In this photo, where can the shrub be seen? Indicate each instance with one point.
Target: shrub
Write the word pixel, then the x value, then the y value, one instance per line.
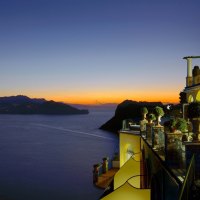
pixel 159 111
pixel 144 110
pixel 170 125
pixel 181 124
pixel 151 117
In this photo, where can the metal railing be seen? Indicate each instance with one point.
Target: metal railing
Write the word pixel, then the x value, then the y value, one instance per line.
pixel 189 179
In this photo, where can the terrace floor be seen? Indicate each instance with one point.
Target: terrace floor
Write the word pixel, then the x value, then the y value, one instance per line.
pixel 105 179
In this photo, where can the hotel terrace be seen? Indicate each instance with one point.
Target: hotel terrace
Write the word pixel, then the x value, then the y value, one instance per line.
pixel 158 164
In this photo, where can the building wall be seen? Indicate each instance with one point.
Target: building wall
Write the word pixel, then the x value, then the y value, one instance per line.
pixel 129 143
pixel 193 94
pixel 192 88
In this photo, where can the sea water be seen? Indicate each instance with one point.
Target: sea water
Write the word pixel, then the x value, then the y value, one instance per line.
pixel 45 157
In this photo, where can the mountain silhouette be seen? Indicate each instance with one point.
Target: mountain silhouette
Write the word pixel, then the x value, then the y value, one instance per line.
pixel 128 109
pixel 24 105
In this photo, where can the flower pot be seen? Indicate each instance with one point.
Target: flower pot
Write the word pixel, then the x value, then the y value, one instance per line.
pixel 158 121
pixel 115 164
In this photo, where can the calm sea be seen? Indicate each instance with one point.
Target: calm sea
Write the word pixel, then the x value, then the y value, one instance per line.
pixel 51 157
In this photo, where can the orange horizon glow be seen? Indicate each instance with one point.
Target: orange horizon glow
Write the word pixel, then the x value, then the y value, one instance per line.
pixel 117 96
pixel 102 96
pixel 102 99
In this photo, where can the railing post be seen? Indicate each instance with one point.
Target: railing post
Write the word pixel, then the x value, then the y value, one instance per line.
pixel 95 173
pixel 105 164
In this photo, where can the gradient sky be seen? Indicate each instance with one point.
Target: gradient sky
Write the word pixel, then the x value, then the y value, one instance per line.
pixel 84 51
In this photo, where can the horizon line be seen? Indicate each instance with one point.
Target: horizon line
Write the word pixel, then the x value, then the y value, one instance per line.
pixel 97 103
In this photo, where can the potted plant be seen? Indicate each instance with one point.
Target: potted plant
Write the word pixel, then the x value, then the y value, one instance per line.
pixel 194 116
pixel 143 122
pixel 181 125
pixel 96 173
pixel 151 118
pixel 170 125
pixel 115 161
pixel 144 112
pixel 159 113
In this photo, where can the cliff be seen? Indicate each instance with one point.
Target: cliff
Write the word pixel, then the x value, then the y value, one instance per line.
pixel 128 109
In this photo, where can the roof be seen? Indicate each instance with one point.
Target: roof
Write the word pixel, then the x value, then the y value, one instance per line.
pixel 191 57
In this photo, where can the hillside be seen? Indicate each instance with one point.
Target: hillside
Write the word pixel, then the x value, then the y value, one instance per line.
pixel 128 109
pixel 24 105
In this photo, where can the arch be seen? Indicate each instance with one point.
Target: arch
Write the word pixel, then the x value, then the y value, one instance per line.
pixel 198 96
pixel 190 99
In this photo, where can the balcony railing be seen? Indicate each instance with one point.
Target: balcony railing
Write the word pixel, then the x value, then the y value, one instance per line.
pixel 167 144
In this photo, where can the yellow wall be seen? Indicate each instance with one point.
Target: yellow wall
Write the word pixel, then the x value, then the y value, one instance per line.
pixel 190 99
pixel 128 142
pixel 129 169
pixel 126 182
pixel 193 94
pixel 198 96
pixel 128 192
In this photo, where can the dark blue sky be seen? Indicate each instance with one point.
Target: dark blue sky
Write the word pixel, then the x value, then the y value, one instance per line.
pixel 105 50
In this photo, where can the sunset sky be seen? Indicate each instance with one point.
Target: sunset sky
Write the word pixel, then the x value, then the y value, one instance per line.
pixel 89 51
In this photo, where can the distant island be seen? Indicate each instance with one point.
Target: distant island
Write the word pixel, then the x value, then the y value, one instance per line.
pixel 24 105
pixel 128 109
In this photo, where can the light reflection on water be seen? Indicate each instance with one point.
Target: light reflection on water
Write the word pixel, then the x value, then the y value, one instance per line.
pixel 52 157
